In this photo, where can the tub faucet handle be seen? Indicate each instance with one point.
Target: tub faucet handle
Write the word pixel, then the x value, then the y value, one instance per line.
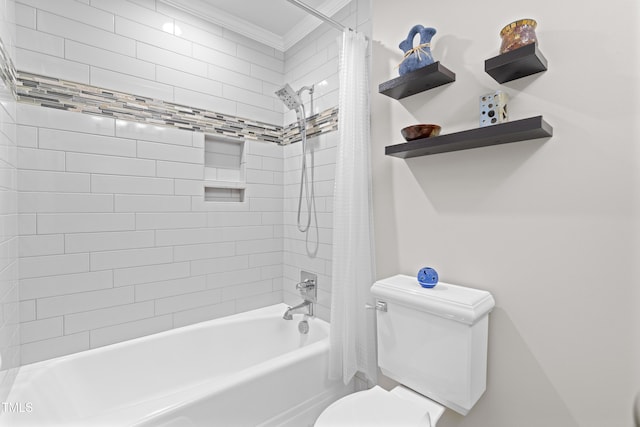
pixel 306 284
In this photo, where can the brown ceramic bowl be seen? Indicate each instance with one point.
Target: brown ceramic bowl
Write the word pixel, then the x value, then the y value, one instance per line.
pixel 420 131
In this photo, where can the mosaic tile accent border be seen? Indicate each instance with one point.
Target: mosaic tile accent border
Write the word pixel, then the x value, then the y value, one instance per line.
pixel 70 96
pixel 7 70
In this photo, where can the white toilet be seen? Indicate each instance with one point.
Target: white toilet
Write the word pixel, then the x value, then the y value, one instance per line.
pixel 434 343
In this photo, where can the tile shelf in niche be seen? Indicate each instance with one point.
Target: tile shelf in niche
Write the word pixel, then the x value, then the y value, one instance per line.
pixel 417 81
pixel 514 131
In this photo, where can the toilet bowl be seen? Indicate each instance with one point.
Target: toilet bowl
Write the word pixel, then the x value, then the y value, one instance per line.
pixel 400 407
pixel 433 342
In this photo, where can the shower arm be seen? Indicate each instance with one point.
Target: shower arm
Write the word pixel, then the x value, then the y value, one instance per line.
pixel 309 89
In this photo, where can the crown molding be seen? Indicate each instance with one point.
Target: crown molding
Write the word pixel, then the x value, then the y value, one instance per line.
pixel 241 26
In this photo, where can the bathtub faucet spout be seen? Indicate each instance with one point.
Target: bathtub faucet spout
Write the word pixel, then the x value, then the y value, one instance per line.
pixel 306 307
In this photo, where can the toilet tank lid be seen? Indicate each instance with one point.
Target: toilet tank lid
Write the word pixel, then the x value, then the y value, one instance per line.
pixel 466 305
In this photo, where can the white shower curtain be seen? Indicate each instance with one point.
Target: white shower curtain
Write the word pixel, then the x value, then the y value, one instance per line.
pixel 352 326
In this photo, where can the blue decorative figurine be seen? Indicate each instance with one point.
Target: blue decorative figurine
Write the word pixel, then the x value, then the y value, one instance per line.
pixel 427 277
pixel 419 56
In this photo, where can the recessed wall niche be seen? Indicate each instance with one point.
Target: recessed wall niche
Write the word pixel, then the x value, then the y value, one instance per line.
pixel 224 171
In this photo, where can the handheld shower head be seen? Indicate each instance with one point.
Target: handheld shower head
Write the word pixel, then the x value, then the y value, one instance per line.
pixel 289 96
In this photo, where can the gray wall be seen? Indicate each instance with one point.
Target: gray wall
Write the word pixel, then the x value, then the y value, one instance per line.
pixel 548 226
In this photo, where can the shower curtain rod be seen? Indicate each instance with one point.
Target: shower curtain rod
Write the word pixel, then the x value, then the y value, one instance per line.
pixel 319 15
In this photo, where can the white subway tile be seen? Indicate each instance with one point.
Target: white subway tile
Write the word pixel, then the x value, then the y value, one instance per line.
pixel 41 245
pixel 203 251
pixel 130 258
pixel 255 99
pixel 221 59
pixel 258 246
pixel 25 16
pixel 34 158
pixel 158 221
pixel 154 273
pixel 146 36
pixel 29 39
pixel 130 330
pixel 85 143
pixel 47 65
pixel 234 78
pixel 84 222
pixel 53 181
pixel 130 84
pixel 259 114
pixel 204 101
pixel 168 288
pixel 170 59
pixel 151 203
pixel 54 347
pixel 77 31
pixel 189 81
pixel 260 176
pixel 64 120
pixel 219 265
pixel 49 286
pixel 64 202
pixel 41 329
pixel 189 187
pixel 78 162
pixel 27 310
pixel 206 38
pixel 142 131
pixel 261 260
pixel 115 240
pixel 158 151
pixel 100 318
pixel 201 314
pixel 265 191
pixel 130 185
pixel 83 301
pixel 230 278
pixel 179 170
pixel 257 301
pixel 51 265
pixel 264 60
pixel 188 236
pixel 274 77
pixel 73 10
pixel 246 290
pixel 114 61
pixel 226 219
pixel 187 301
pixel 26 224
pixel 266 205
pixel 27 136
pixel 134 12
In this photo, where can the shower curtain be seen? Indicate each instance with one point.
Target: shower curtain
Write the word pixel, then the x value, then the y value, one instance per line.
pixel 352 326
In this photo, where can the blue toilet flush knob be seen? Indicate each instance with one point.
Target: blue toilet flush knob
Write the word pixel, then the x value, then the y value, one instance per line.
pixel 427 277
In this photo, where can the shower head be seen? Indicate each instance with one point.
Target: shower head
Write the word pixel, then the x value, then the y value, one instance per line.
pixel 289 96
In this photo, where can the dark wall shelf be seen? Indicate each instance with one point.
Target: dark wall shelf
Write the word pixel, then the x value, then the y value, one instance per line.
pixel 518 130
pixel 433 75
pixel 516 64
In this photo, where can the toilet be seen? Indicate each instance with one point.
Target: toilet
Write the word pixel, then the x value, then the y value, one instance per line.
pixel 431 341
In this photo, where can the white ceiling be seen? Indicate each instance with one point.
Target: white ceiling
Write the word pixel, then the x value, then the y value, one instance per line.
pixel 276 23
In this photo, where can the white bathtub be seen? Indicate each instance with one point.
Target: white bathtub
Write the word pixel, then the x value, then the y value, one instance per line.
pixel 250 369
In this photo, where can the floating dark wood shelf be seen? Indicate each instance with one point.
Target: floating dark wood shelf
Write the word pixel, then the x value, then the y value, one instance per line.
pixel 425 78
pixel 518 63
pixel 518 130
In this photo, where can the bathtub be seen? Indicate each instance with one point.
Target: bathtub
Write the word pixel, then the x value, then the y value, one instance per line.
pixel 249 369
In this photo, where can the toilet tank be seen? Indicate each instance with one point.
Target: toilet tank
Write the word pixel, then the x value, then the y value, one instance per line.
pixel 434 341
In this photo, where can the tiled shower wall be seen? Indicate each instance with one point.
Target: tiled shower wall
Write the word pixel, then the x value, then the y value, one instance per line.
pixel 116 240
pixel 314 60
pixel 9 314
pixel 121 45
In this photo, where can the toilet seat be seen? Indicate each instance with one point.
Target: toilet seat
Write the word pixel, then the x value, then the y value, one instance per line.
pixel 378 407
